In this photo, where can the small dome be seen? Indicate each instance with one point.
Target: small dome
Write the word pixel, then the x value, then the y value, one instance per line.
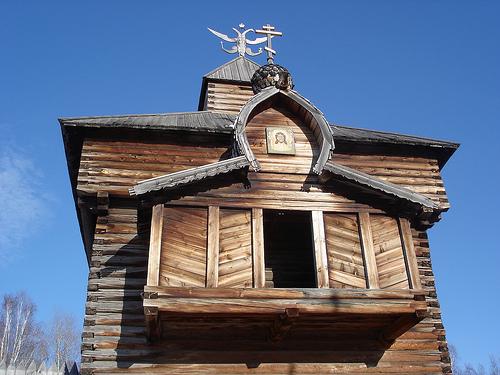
pixel 271 75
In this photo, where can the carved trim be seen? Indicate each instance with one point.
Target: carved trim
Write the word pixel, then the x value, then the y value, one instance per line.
pixel 324 136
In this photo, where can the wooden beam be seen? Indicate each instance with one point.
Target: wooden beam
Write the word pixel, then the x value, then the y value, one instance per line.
pixel 409 253
pixel 153 324
pixel 368 250
pixel 259 271
pixel 282 324
pixel 213 247
pixel 270 306
pixel 155 246
pixel 400 326
pixel 282 294
pixel 320 256
pixel 102 203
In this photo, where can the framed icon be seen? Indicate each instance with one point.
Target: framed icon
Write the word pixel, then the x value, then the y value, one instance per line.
pixel 280 141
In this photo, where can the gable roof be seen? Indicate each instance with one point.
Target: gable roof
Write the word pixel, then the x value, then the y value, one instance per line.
pixel 190 175
pixel 239 69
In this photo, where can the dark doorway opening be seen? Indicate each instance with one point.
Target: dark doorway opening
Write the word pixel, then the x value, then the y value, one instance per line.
pixel 288 249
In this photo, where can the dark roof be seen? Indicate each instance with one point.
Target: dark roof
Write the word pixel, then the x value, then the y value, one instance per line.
pixel 175 179
pixel 341 132
pixel 375 183
pixel 192 121
pixel 239 69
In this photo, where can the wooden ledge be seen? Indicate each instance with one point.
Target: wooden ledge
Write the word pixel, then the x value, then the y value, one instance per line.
pixel 399 309
pixel 254 301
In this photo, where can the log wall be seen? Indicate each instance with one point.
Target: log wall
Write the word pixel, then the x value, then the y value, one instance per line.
pixel 227 97
pixel 115 337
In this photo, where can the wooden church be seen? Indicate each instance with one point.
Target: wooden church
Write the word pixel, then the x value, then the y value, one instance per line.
pixel 253 236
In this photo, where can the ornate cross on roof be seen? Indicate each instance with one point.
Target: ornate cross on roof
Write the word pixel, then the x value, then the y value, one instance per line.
pixel 240 40
pixel 269 31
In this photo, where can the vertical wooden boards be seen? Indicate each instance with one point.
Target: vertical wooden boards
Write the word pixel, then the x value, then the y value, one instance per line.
pixel 368 250
pixel 259 275
pixel 409 252
pixel 155 245
pixel 184 247
pixel 320 255
pixel 235 255
pixel 388 252
pixel 213 247
pixel 343 244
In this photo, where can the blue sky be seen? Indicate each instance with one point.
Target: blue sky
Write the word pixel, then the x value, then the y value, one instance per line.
pixel 428 68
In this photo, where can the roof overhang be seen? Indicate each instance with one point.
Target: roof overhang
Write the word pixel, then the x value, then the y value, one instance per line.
pixel 386 195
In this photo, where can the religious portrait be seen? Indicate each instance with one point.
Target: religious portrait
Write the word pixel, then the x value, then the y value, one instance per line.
pixel 280 140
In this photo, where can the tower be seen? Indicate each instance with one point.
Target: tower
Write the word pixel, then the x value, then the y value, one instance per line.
pixel 254 236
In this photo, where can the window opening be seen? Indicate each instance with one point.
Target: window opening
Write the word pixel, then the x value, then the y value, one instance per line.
pixel 288 249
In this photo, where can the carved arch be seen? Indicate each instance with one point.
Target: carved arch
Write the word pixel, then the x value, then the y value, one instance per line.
pixel 314 119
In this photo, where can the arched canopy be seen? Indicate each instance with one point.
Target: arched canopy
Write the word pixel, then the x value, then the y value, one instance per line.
pixel 296 103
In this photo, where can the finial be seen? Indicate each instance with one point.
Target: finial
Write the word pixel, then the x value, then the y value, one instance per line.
pixel 269 31
pixel 240 40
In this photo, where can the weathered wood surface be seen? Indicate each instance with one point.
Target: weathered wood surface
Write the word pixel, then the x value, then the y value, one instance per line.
pixel 365 230
pixel 184 247
pixel 235 255
pixel 118 165
pixel 259 276
pixel 388 252
pixel 320 255
pixel 115 341
pixel 345 258
pixel 227 98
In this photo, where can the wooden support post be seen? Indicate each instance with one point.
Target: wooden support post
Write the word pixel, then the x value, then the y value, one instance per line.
pixel 153 324
pixel 282 325
pixel 368 250
pixel 155 246
pixel 409 253
pixel 259 271
pixel 213 247
pixel 102 203
pixel 320 256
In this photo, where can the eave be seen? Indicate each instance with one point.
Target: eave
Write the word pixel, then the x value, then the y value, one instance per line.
pixel 173 180
pixel 408 202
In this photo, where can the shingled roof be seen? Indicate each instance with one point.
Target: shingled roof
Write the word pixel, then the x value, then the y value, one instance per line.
pixel 239 69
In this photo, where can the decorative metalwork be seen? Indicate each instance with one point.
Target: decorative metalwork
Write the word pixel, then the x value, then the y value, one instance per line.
pixel 270 32
pixel 240 40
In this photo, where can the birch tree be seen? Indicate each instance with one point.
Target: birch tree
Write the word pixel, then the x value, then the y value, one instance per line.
pixel 63 339
pixel 21 339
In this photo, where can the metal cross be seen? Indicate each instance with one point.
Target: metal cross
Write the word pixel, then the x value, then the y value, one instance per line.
pixel 269 31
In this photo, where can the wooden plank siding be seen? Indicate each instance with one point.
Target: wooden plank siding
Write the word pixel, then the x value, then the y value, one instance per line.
pixel 283 183
pixel 184 247
pixel 388 250
pixel 115 341
pixel 235 254
pixel 345 257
